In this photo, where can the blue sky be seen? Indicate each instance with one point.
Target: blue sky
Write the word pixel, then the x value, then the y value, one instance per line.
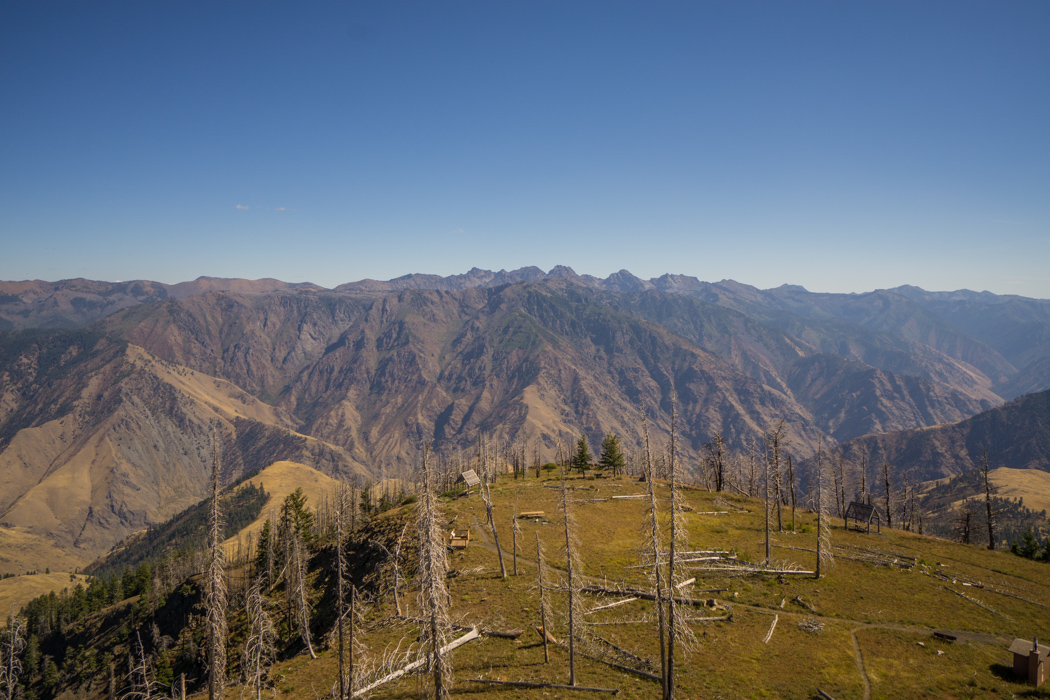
pixel 838 145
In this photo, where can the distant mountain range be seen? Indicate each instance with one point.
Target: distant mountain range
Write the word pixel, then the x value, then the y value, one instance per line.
pixel 109 392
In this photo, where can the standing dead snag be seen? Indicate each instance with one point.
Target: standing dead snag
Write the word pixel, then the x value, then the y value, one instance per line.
pixel 773 440
pixel 825 559
pixel 655 572
pixel 342 506
pixel 12 643
pixel 766 508
pixel 433 595
pixel 988 490
pixel 259 647
pixel 215 595
pixel 678 632
pixel 545 613
pixel 889 490
pixel 515 532
pixel 572 567
pixel 486 494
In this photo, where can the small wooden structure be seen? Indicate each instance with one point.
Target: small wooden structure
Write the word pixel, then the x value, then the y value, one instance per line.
pixel 863 513
pixel 531 514
pixel 1030 660
pixel 470 478
pixel 459 539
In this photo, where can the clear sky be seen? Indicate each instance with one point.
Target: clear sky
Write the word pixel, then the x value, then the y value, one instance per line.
pixel 843 146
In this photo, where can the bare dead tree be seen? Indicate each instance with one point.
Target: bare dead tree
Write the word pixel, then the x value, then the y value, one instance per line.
pixel 989 490
pixel 396 563
pixel 215 595
pixel 865 482
pixel 889 491
pixel 342 506
pixel 433 594
pixel 714 456
pixel 572 567
pixel 791 488
pixel 678 630
pixel 260 645
pixel 545 612
pixel 653 551
pixel 297 580
pixel 12 644
pixel 751 461
pixel 838 486
pixel 766 508
pixel 773 440
pixel 842 484
pixel 486 494
pixel 824 557
pixel 515 532
pixel 141 686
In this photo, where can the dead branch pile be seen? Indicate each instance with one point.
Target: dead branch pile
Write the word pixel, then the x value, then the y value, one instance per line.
pixel 811 625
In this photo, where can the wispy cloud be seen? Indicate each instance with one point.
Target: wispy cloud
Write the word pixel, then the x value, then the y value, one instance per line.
pixel 281 209
pixel 243 207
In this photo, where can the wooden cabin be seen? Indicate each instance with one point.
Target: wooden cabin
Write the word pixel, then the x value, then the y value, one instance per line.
pixel 1030 660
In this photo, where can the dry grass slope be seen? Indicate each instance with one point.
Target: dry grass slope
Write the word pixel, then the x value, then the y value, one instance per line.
pixel 889 610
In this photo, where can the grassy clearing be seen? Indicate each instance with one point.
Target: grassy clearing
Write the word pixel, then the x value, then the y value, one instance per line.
pixel 888 608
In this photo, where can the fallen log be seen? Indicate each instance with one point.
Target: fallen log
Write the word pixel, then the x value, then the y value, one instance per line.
pixel 807 606
pixel 613 605
pixel 649 596
pixel 526 684
pixel 621 667
pixel 978 603
pixel 772 627
pixel 455 644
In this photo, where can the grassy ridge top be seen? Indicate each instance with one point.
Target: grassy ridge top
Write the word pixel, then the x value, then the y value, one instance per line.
pixel 879 606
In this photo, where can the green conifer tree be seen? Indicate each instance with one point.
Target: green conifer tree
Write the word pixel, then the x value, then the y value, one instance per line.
pixel 582 458
pixel 612 456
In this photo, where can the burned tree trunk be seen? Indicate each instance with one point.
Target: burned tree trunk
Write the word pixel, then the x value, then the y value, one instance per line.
pixel 486 494
pixel 824 556
pixel 545 615
pixel 889 490
pixel 433 594
pixel 215 593
pixel 652 527
pixel 773 440
pixel 572 567
pixel 988 491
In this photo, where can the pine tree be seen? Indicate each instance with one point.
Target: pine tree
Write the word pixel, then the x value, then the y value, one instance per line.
pixel 582 458
pixel 612 457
